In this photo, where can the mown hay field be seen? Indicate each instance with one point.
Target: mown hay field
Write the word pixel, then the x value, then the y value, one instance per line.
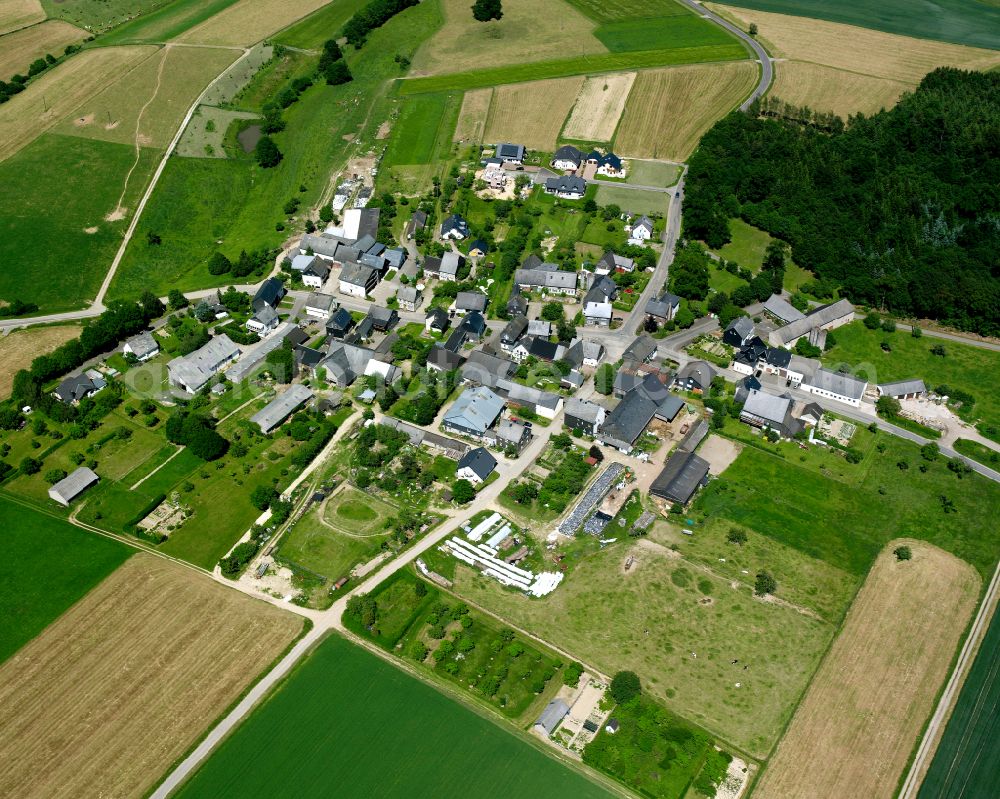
pixel 615 10
pixel 530 30
pixel 889 59
pixel 472 116
pixel 854 731
pixel 124 682
pixel 20 348
pixel 531 113
pixel 320 734
pixel 19 49
pixel 668 110
pixel 651 618
pixel 166 22
pixel 15 14
pixel 598 107
pixel 54 95
pixel 249 21
pixel 835 90
pixel 170 81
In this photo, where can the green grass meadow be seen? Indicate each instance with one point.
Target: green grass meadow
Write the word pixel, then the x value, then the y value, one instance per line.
pixel 846 521
pixel 664 33
pixel 587 65
pixel 166 22
pixel 972 369
pixel 969 22
pixel 311 32
pixel 967 760
pixel 347 723
pixel 422 133
pixel 53 564
pixel 615 10
pixel 50 200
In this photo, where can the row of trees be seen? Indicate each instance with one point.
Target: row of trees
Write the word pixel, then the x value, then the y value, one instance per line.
pixel 899 209
pixel 374 15
pixel 37 67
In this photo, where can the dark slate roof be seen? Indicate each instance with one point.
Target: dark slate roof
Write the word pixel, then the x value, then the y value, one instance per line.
pixel 455 222
pixel 368 222
pixel 296 336
pixel 532 262
pixel 510 152
pixel 699 372
pixel 612 160
pixel 568 153
pixel 270 292
pixel 444 358
pixel 779 357
pixel 440 318
pixel 470 301
pixel 680 477
pixel 514 330
pixel 480 461
pixel 564 184
pixel 629 418
pixel 742 325
pixel 517 305
pixel 661 306
pixel 308 357
pixel 642 349
pixel 340 320
pixel 479 244
pixel 543 349
pixel 474 322
pixel 75 388
pixel 419 219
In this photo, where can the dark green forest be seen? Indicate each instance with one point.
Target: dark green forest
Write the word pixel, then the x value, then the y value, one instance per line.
pixel 900 210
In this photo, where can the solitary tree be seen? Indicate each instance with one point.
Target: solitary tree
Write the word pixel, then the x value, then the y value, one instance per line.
pixel 902 553
pixel 624 686
pixel 753 28
pixel 764 584
pixel 485 10
pixel 267 152
pixel 737 536
pixel 462 492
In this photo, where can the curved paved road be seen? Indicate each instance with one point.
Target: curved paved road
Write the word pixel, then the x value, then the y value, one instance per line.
pixel 766 65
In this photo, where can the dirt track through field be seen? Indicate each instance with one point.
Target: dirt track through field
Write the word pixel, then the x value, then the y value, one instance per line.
pixel 124 682
pixel 138 134
pixel 856 727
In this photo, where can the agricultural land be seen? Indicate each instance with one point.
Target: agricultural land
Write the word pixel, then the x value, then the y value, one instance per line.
pixel 668 110
pixel 876 687
pixel 847 69
pixel 531 112
pixel 155 652
pixel 19 49
pixel 57 565
pixel 340 680
pixel 968 753
pixel 598 107
pixel 19 348
pixel 16 14
pixel 248 21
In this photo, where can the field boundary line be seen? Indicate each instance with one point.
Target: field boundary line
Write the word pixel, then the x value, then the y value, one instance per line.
pixel 176 452
pixel 98 305
pixel 932 735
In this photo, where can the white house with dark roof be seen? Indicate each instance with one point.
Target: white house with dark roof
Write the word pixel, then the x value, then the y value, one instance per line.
pixel 640 231
pixel 467 301
pixel 610 165
pixel 567 157
pixel 663 308
pixel 566 187
pixel 738 332
pixel 454 228
pixel 475 466
pixel 358 280
pixel 597 314
pixel 264 321
pixel 584 415
pixel 549 281
pixel 510 153
pixel 409 298
pixel 315 273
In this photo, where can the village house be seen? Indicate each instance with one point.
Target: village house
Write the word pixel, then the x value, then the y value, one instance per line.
pixel 640 231
pixel 510 153
pixel 902 389
pixel 495 177
pixel 339 323
pixel 542 403
pixel 695 377
pixel 191 372
pixel 454 228
pixel 663 308
pixel 418 221
pixel 484 369
pixel 738 332
pixel 546 280
pixel 512 333
pixel 474 412
pixel 446 267
pixel 836 386
pixel 512 434
pixel 584 352
pixel 597 314
pixel 441 359
pixel 142 347
pixel 517 305
pixel 567 158
pixel 769 412
pixel 780 309
pixel 475 466
pixel 383 319
pixel 264 321
pixel 826 317
pixel 319 305
pixel 409 298
pixel 358 280
pixel 467 301
pixel 478 249
pixel 269 294
pixel 612 262
pixel 437 320
pixel 584 416
pixel 73 389
pixel 566 187
pixel 610 165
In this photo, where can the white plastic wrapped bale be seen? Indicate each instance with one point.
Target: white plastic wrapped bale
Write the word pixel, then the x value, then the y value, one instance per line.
pixel 545 584
pixel 484 526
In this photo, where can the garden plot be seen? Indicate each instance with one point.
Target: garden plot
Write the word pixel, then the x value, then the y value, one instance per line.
pixel 598 107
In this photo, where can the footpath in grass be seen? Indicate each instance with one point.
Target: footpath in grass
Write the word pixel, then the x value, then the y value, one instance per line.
pixel 53 564
pixel 349 724
pixel 967 760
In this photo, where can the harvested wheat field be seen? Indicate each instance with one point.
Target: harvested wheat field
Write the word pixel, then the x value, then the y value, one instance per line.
pixel 15 14
pixel 599 107
pixel 20 348
pixel 530 30
pixel 854 731
pixel 162 88
pixel 249 21
pixel 531 113
pixel 50 98
pixel 834 90
pixel 472 117
pixel 853 52
pixel 19 49
pixel 668 110
pixel 123 683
